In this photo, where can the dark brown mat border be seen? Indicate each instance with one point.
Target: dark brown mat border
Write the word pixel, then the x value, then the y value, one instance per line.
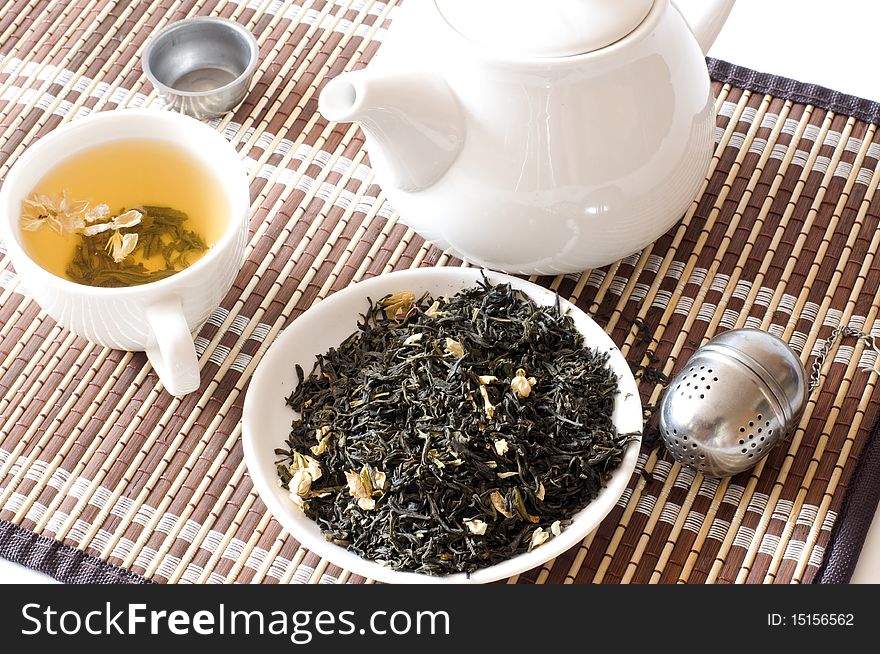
pixel 790 89
pixel 66 564
pixel 856 515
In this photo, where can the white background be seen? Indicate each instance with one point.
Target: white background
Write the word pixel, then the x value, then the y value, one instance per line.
pixel 828 42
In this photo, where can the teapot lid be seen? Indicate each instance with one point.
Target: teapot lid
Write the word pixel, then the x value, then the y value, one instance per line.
pixel 538 28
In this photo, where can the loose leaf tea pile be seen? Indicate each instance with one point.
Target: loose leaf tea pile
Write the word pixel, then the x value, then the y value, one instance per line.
pixel 447 435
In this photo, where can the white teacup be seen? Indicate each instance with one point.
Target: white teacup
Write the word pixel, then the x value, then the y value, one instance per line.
pixel 158 318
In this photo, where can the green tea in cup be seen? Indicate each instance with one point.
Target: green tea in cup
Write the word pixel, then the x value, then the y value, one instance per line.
pixel 123 213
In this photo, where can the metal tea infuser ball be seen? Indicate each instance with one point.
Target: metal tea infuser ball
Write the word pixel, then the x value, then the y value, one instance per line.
pixel 740 394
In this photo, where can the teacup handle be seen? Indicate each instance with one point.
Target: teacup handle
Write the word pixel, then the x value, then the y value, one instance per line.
pixel 174 356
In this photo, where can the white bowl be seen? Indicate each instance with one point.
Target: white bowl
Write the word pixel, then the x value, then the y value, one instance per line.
pixel 267 418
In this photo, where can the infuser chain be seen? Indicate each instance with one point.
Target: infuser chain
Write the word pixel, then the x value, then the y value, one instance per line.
pixel 840 332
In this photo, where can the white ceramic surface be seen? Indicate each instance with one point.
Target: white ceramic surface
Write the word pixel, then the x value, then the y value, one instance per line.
pixel 536 164
pixel 157 317
pixel 266 419
pixel 560 29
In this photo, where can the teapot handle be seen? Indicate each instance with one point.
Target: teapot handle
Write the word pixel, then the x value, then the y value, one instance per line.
pixel 705 18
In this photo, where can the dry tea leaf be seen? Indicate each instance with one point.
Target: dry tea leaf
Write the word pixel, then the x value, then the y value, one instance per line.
pixel 414 339
pixel 498 503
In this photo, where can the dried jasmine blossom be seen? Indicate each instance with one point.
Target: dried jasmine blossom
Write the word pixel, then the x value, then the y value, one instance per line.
pixel 301 484
pixel 302 472
pixel 522 385
pixel 476 526
pixel 541 492
pixel 488 407
pixel 96 213
pixel 359 486
pixel 58 213
pixel 445 465
pixel 397 305
pixel 434 310
pixel 539 537
pixel 453 348
pixel 499 504
pixel 121 245
pixel 123 221
pixel 323 436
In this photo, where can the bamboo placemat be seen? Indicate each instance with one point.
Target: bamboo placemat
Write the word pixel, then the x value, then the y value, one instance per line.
pixel 98 466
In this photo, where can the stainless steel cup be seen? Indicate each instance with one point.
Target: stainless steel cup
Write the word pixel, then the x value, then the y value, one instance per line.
pixel 202 66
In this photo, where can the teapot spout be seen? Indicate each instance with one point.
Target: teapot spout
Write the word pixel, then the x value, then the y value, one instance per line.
pixel 413 122
pixel 705 18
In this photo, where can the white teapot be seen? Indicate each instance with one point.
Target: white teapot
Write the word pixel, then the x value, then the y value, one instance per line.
pixel 538 136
